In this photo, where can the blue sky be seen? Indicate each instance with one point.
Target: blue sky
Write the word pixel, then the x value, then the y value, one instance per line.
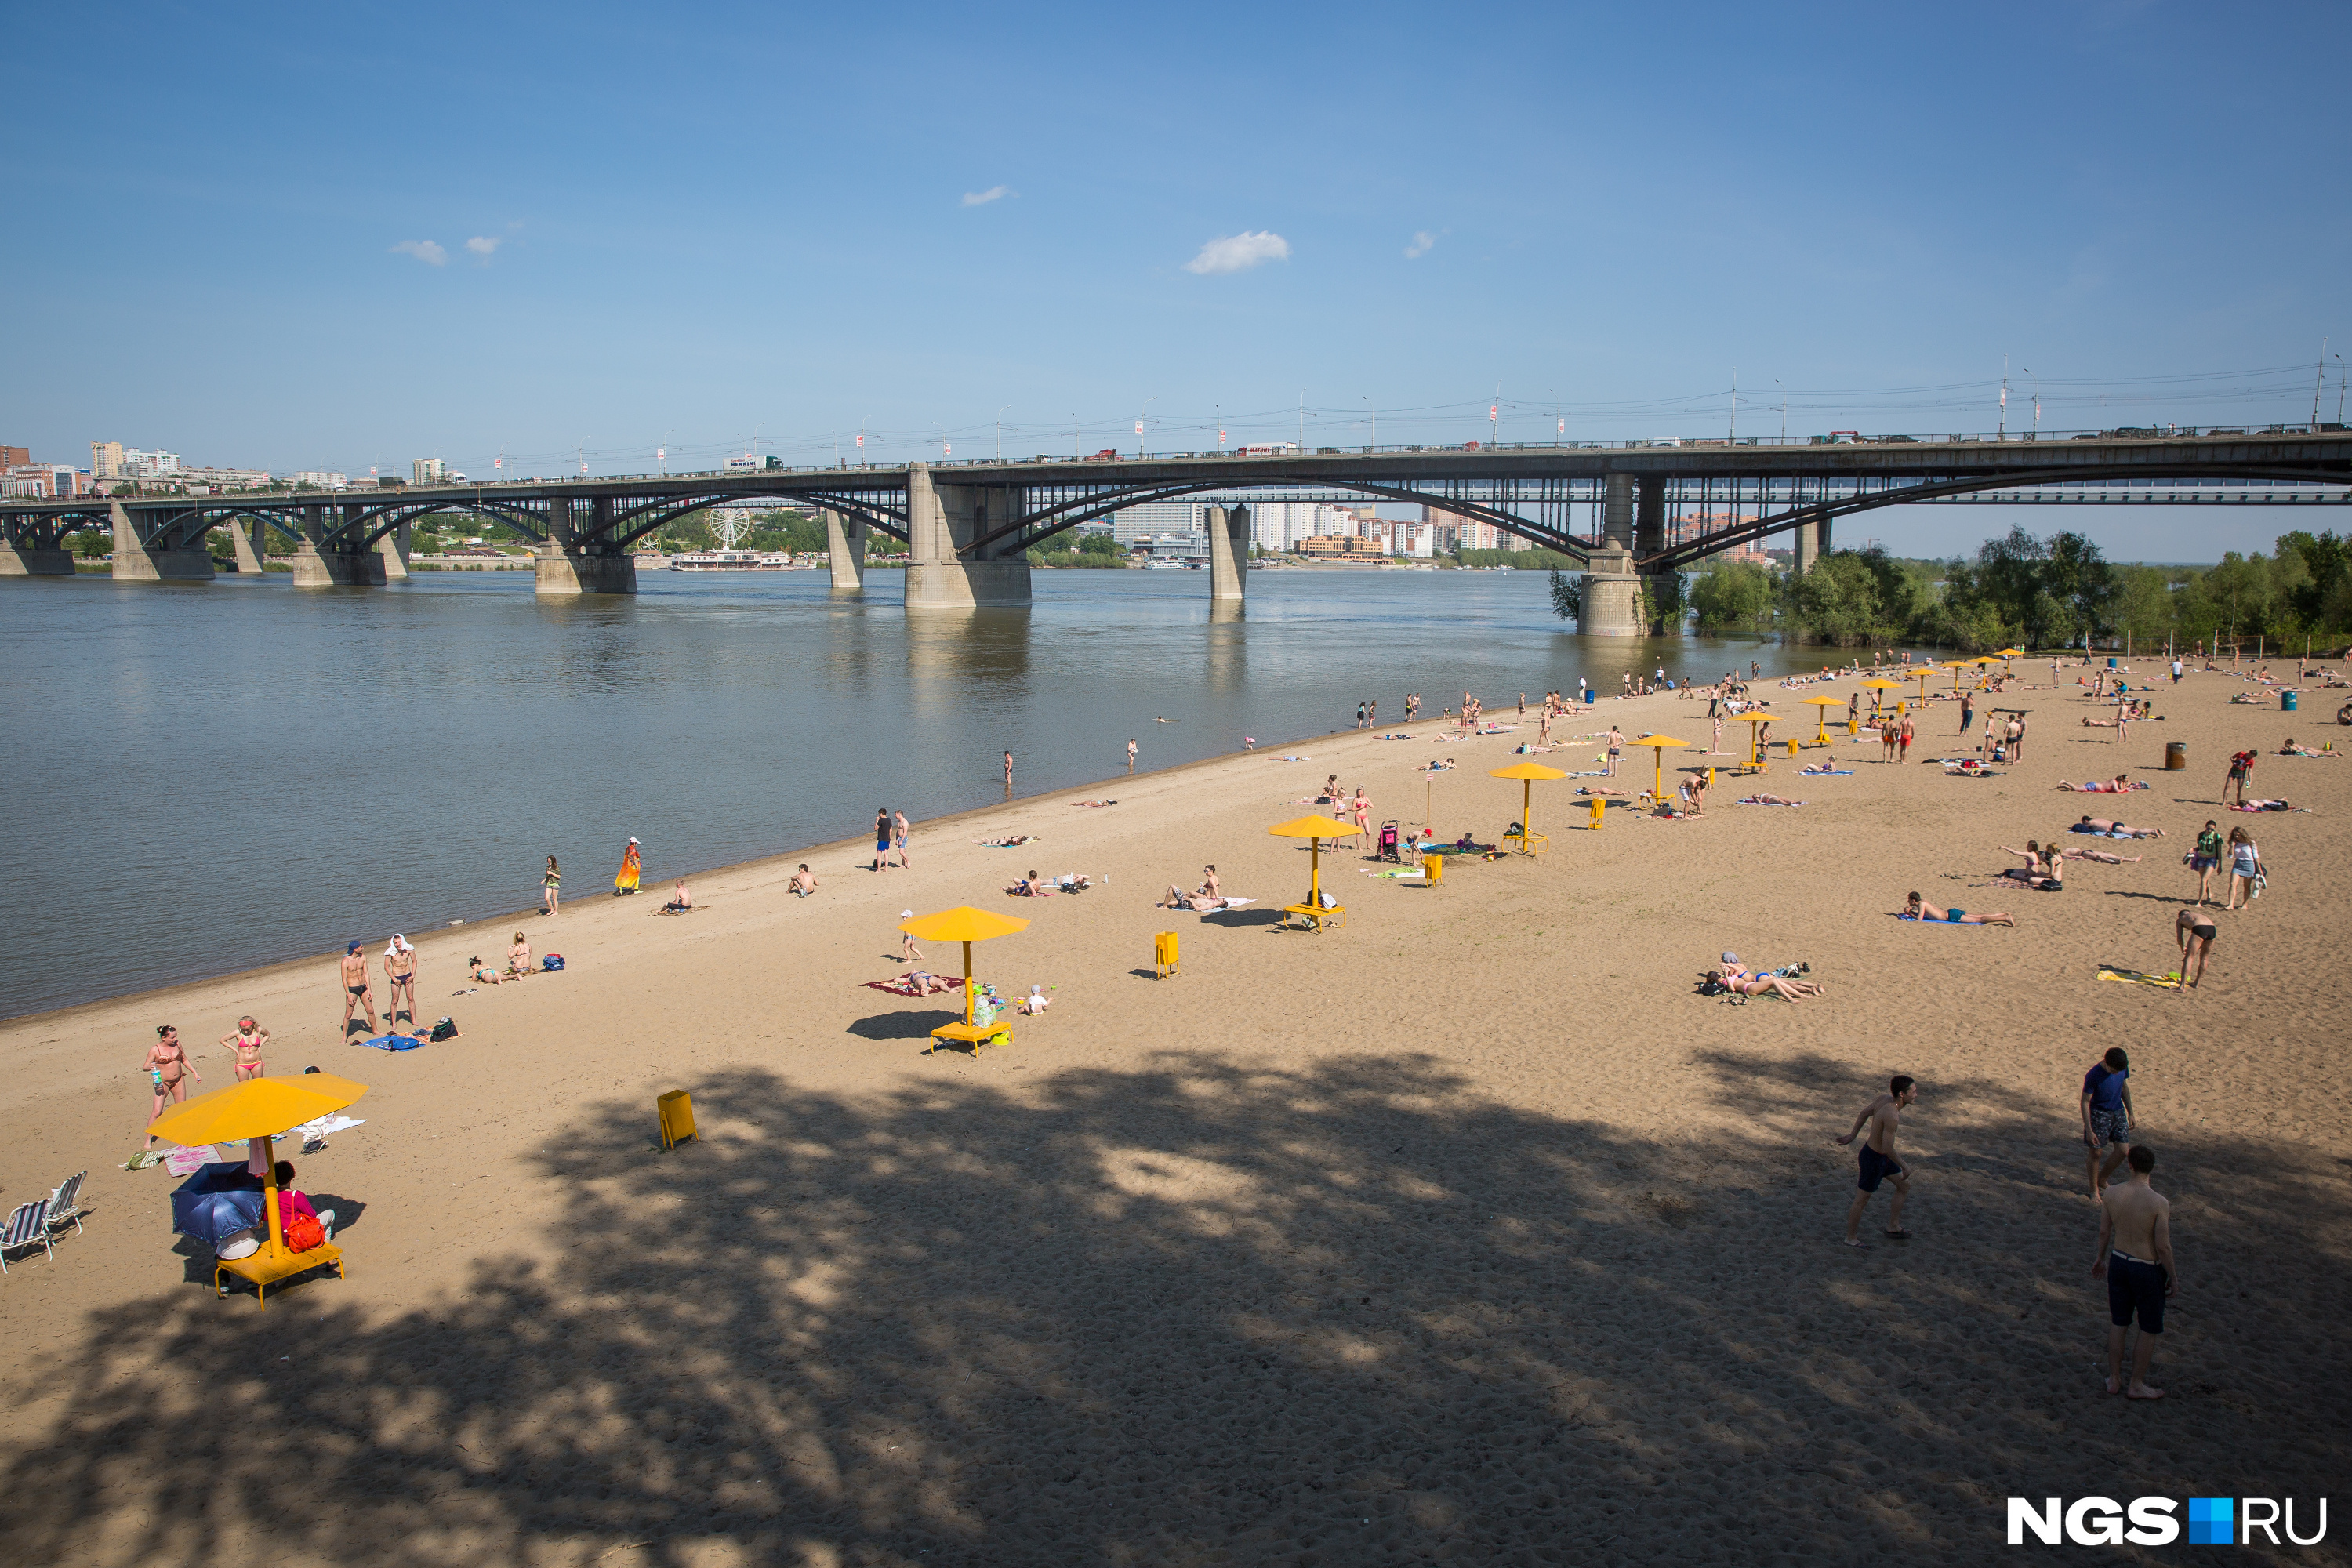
pixel 697 228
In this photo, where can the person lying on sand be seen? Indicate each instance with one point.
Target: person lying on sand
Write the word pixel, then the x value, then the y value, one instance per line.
pixel 2039 871
pixel 1915 909
pixel 1768 800
pixel 1740 982
pixel 1437 767
pixel 2101 855
pixel 2115 829
pixel 926 982
pixel 2291 749
pixel 2120 785
pixel 1209 895
pixel 1013 841
pixel 486 976
pixel 1029 887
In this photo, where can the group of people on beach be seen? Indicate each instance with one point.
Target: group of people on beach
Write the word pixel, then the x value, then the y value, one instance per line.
pixel 625 882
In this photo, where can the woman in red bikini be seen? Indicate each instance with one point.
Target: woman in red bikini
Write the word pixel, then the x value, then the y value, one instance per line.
pixel 245 1043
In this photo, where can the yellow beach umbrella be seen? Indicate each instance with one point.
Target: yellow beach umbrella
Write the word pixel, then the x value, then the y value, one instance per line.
pixel 1527 773
pixel 1658 744
pixel 1755 723
pixel 1877 683
pixel 2009 653
pixel 1315 829
pixel 967 925
pixel 1821 720
pixel 260 1110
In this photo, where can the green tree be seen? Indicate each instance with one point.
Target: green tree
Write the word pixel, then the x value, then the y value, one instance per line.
pixel 2322 601
pixel 1838 601
pixel 1566 595
pixel 1097 544
pixel 1732 596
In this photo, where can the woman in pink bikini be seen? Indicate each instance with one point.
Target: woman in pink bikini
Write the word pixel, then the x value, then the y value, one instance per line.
pixel 245 1045
pixel 1360 809
pixel 168 1067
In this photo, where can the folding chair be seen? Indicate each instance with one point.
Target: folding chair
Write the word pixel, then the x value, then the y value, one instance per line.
pixel 27 1228
pixel 65 1204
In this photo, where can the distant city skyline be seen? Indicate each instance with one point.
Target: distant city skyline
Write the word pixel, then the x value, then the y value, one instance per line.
pixel 1172 236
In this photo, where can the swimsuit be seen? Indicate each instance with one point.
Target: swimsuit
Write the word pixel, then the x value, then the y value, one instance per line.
pixel 1876 1167
pixel 1952 917
pixel 359 990
pixel 2135 1284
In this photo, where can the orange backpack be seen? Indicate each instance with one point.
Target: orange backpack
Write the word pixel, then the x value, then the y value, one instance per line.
pixel 304 1232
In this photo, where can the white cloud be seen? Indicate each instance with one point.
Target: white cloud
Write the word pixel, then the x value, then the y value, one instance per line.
pixel 1422 240
pixel 424 250
pixel 1239 252
pixel 480 245
pixel 993 193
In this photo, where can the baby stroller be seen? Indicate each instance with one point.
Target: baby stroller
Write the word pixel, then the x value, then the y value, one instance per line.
pixel 1389 851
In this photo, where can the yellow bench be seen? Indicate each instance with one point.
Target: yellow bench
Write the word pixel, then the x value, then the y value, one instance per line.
pixel 1529 843
pixel 273 1265
pixel 1337 915
pixel 973 1034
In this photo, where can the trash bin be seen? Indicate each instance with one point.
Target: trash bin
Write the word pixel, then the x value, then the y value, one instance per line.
pixel 2111 664
pixel 2286 702
pixel 2176 755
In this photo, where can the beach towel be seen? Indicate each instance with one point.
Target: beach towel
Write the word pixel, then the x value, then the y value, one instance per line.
pixel 1228 904
pixel 1951 925
pixel 182 1160
pixel 329 1125
pixel 898 985
pixel 393 1042
pixel 2168 981
pixel 1014 842
pixel 1412 874
pixel 1094 803
pixel 1825 772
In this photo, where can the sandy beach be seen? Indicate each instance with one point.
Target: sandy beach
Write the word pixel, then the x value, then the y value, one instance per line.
pixel 1466 1233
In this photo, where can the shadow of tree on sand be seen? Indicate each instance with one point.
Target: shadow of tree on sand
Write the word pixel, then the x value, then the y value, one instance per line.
pixel 1192 1313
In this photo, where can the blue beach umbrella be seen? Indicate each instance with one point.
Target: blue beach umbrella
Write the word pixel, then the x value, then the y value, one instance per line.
pixel 219 1200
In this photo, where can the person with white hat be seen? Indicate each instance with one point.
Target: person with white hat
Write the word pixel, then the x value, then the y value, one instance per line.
pixel 400 977
pixel 908 951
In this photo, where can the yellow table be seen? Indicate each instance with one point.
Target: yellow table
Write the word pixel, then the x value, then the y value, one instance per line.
pixel 1337 915
pixel 273 1265
pixel 973 1034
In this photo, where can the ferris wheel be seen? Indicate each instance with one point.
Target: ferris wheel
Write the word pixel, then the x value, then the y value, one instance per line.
pixel 730 527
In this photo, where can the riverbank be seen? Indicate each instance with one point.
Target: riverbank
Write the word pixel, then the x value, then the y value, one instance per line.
pixel 1444 1235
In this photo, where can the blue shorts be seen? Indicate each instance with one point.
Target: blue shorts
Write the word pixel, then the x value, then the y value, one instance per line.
pixel 2133 1286
pixel 1876 1167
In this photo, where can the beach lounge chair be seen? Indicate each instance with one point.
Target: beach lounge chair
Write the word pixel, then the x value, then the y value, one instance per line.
pixel 27 1228
pixel 65 1204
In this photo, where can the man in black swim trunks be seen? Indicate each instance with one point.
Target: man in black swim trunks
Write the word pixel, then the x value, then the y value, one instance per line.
pixel 1884 1116
pixel 2134 1258
pixel 354 971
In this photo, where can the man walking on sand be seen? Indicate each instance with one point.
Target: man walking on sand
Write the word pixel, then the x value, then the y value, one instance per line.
pixel 356 993
pixel 2134 1258
pixel 1883 1116
pixel 2107 1110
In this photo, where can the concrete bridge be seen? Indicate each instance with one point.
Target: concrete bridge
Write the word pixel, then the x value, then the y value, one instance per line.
pixel 968 526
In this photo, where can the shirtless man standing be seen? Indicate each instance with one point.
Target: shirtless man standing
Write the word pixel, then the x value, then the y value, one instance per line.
pixel 400 978
pixel 1883 1116
pixel 355 970
pixel 2134 1258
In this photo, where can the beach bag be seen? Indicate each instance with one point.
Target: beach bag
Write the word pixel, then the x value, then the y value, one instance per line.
pixel 304 1232
pixel 552 962
pixel 444 1030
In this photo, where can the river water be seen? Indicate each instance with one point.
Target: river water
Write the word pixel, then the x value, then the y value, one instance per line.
pixel 208 777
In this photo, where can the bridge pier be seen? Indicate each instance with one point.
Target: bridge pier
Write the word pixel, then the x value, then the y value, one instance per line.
pixel 393 548
pixel 134 562
pixel 844 548
pixel 1228 543
pixel 317 568
pixel 246 533
pixel 560 572
pixel 35 561
pixel 1609 601
pixel 939 520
